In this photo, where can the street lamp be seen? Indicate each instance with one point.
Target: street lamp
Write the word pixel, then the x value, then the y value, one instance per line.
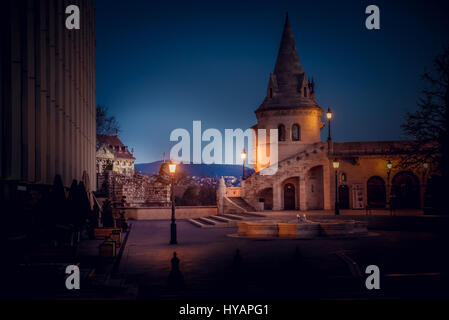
pixel 424 172
pixel 389 167
pixel 424 184
pixel 336 165
pixel 243 156
pixel 329 118
pixel 173 237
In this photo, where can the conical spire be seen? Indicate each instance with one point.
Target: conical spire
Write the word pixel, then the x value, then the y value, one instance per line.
pixel 288 86
pixel 288 58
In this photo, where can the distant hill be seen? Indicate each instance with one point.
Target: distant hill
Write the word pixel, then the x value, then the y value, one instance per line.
pixel 199 170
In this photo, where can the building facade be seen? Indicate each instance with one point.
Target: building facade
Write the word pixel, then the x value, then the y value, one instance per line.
pixel 47 93
pixel 114 156
pixel 306 179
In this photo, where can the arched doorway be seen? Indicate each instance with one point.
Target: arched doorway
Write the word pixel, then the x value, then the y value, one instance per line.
pixel 376 192
pixel 405 191
pixel 266 196
pixel 289 197
pixel 343 197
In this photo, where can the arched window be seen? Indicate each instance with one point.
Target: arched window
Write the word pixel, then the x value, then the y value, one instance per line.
pixel 281 132
pixel 305 92
pixel 296 133
pixel 271 92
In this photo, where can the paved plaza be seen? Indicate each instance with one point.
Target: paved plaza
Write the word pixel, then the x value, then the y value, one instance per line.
pixel 413 264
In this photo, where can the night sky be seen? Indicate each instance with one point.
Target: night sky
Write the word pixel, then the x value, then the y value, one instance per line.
pixel 163 64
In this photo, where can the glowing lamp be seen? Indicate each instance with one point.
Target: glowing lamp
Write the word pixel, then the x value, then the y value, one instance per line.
pixel 329 114
pixel 336 164
pixel 389 165
pixel 243 155
pixel 172 167
pixel 426 165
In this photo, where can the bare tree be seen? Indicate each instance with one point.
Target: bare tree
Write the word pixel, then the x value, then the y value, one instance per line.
pixel 106 124
pixel 429 125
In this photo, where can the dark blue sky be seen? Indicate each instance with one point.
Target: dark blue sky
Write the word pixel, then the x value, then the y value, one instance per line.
pixel 163 64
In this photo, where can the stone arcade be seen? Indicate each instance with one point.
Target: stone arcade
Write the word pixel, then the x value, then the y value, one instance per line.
pixel 305 179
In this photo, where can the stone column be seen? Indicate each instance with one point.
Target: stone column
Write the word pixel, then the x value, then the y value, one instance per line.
pixel 277 194
pixel 13 112
pixel 30 100
pixel 221 192
pixel 303 193
pixel 328 188
pixel 51 94
pixel 60 169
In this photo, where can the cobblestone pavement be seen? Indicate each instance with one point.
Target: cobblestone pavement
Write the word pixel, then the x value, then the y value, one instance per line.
pixel 413 265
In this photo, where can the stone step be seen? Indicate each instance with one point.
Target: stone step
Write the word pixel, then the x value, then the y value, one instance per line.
pixel 213 222
pixel 225 222
pixel 251 215
pixel 197 223
pixel 233 216
pixel 219 219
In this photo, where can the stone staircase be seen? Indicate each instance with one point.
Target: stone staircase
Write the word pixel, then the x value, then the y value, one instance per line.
pixel 242 211
pixel 242 203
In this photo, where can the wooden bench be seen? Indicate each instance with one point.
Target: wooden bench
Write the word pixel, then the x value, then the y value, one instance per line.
pixel 104 232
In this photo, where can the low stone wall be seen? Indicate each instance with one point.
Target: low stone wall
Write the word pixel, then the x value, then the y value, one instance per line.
pixel 138 190
pixel 165 213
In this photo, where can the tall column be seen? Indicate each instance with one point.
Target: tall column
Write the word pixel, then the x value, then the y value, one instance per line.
pixel 41 91
pixel 67 112
pixel 30 113
pixel 51 98
pixel 60 133
pixel 14 112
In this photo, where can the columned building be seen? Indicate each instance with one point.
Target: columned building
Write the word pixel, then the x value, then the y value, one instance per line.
pixel 47 92
pixel 367 176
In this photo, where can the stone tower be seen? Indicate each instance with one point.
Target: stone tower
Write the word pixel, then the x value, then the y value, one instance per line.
pixel 290 104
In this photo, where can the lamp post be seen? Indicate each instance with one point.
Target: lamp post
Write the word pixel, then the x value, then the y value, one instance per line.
pixel 424 184
pixel 173 236
pixel 336 165
pixel 389 167
pixel 243 156
pixel 329 118
pixel 424 172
